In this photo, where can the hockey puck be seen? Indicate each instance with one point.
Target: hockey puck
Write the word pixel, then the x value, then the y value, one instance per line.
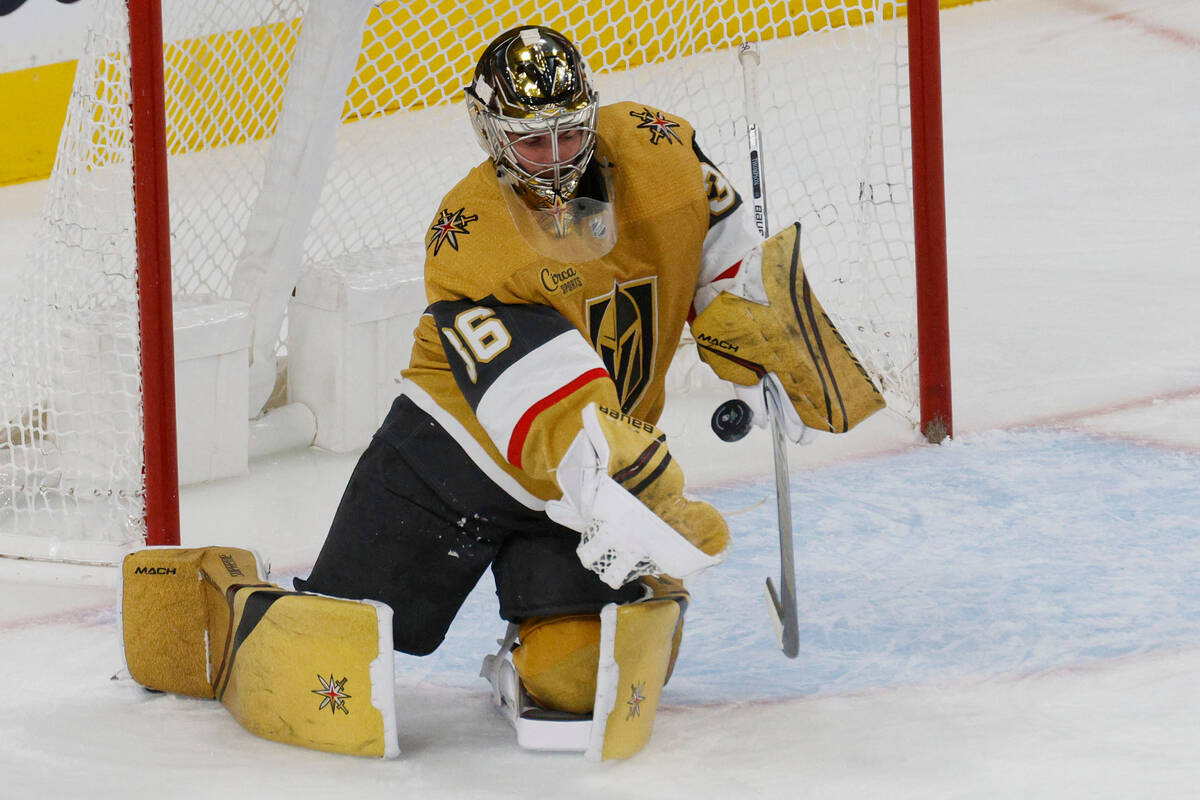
pixel 732 420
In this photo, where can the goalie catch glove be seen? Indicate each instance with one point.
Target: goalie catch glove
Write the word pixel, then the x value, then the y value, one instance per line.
pixel 768 325
pixel 624 494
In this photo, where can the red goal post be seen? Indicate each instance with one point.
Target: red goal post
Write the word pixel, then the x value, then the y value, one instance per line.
pixel 929 219
pixel 156 331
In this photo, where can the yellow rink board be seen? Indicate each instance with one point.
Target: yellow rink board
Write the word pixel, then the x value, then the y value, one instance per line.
pixel 35 103
pixel 419 61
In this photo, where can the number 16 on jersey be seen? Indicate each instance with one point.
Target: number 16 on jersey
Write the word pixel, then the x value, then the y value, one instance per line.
pixel 478 337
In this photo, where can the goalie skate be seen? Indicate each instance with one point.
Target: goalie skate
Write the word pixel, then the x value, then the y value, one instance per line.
pixel 537 728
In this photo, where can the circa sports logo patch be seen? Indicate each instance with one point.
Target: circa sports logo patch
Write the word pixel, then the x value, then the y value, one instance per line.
pixel 564 280
pixel 622 325
pixel 449 226
pixel 333 694
pixel 661 128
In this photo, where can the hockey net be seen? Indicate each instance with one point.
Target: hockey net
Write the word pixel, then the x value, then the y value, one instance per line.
pixel 365 98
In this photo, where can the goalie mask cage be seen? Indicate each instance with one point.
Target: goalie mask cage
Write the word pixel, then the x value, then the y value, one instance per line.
pixel 321 134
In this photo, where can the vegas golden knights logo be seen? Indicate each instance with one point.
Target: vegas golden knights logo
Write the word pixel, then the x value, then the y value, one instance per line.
pixel 622 326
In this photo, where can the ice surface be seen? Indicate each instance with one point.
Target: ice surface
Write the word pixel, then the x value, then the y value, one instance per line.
pixel 1015 614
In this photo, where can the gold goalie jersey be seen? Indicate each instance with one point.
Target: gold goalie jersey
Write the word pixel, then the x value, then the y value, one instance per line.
pixel 514 344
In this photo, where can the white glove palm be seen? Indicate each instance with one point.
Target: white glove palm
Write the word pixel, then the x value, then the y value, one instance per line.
pixel 756 397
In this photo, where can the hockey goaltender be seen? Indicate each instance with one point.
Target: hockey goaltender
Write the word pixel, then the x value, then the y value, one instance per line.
pixel 559 273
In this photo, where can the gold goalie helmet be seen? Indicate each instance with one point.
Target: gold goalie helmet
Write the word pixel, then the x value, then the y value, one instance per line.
pixel 532 82
pixel 533 109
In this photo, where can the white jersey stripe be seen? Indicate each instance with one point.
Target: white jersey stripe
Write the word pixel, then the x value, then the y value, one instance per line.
pixel 538 374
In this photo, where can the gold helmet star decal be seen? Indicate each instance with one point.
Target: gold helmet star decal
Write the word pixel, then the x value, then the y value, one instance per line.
pixel 334 695
pixel 559 214
pixel 449 226
pixel 659 126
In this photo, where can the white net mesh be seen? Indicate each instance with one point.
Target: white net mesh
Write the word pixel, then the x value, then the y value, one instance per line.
pixel 834 97
pixel 70 455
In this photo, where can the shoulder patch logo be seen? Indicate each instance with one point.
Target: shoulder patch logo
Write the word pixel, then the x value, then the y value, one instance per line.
pixel 449 226
pixel 661 128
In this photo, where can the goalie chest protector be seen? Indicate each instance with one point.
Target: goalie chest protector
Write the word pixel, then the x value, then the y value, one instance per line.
pixel 474 252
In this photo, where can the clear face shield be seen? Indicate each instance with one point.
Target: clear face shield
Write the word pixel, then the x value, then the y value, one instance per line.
pixel 570 231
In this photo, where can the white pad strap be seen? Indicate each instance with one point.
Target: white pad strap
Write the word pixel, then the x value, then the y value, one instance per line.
pixel 608 672
pixel 620 538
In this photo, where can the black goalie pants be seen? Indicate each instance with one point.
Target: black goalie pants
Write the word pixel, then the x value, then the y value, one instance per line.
pixel 419 523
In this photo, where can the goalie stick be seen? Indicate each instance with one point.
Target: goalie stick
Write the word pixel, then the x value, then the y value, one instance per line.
pixel 781 602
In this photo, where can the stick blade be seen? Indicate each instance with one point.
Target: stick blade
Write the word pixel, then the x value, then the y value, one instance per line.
pixel 784 617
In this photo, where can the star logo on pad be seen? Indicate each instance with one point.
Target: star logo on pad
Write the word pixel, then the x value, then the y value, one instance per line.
pixel 637 695
pixel 334 695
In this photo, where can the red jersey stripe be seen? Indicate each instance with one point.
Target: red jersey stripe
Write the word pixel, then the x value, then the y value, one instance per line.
pixel 516 442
